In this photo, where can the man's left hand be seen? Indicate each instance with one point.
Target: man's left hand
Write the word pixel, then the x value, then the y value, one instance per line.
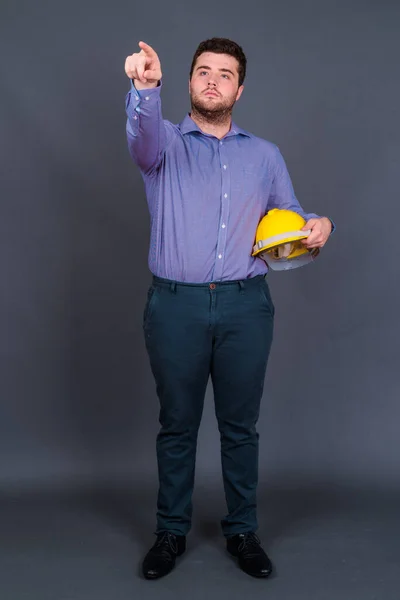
pixel 321 229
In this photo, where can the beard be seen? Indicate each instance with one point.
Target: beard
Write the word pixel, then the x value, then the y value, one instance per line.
pixel 216 111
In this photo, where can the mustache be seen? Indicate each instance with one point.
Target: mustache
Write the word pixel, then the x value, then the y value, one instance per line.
pixel 211 90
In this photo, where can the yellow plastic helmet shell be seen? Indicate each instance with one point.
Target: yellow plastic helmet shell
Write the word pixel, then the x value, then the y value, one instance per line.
pixel 278 240
pixel 278 222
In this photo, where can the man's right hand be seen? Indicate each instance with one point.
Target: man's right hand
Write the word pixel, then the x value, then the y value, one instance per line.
pixel 144 67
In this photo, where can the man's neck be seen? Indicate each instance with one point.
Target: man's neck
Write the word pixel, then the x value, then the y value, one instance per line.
pixel 219 130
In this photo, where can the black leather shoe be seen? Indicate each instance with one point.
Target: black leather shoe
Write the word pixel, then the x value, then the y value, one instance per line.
pixel 160 560
pixel 252 558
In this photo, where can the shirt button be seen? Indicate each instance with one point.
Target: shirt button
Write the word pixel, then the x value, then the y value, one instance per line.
pixel 220 143
pixel 147 98
pixel 223 225
pixel 136 97
pixel 225 195
pixel 224 166
pixel 219 255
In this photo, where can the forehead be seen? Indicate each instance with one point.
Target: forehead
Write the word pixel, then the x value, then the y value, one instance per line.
pixel 217 61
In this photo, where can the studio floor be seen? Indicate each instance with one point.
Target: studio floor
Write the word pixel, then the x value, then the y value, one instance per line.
pixel 87 544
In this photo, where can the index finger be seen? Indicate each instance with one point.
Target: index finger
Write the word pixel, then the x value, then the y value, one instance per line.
pixel 147 49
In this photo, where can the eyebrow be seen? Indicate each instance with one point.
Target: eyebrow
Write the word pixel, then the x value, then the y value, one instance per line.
pixel 209 68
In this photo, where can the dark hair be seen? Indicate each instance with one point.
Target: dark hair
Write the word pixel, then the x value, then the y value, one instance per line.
pixel 222 46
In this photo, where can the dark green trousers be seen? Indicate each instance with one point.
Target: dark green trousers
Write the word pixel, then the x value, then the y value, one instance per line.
pixel 194 331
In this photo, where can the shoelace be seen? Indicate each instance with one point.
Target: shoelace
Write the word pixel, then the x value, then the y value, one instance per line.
pixel 250 544
pixel 167 544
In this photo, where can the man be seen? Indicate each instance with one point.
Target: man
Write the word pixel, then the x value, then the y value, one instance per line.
pixel 209 311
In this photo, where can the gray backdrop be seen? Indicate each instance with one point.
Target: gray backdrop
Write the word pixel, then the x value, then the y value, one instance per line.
pixel 78 402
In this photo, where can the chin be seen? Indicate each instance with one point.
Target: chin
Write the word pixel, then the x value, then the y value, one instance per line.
pixel 202 104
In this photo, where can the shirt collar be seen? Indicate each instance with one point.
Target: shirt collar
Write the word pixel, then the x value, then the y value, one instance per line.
pixel 188 126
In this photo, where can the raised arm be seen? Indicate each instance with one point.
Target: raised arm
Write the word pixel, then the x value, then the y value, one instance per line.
pixel 148 135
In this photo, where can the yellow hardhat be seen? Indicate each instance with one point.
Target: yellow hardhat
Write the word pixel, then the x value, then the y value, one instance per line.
pixel 278 240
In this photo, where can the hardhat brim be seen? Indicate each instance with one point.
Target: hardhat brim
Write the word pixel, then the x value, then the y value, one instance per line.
pixel 278 240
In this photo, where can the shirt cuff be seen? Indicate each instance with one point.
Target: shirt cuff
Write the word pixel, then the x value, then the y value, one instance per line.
pixel 135 98
pixel 146 91
pixel 333 225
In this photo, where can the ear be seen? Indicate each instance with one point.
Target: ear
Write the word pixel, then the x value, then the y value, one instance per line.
pixel 239 92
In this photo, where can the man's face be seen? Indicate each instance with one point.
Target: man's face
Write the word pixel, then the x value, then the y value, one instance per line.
pixel 214 86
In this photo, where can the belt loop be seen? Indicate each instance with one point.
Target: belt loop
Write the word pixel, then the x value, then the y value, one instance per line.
pixel 241 285
pixel 173 287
